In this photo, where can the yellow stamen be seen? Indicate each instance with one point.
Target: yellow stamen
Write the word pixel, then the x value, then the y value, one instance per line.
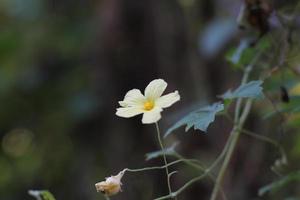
pixel 148 105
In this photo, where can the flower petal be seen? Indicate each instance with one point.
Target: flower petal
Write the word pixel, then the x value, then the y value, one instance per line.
pixel 168 100
pixel 155 89
pixel 128 112
pixel 133 97
pixel 152 116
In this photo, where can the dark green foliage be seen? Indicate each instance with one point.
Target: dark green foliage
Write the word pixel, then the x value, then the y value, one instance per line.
pixel 281 183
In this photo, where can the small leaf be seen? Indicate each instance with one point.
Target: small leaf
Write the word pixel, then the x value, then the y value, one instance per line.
pixel 200 119
pixel 295 176
pixel 251 89
pixel 41 194
pixel 167 151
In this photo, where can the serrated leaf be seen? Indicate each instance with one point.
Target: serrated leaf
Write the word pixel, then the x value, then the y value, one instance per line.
pixel 295 176
pixel 199 119
pixel 251 89
pixel 41 194
pixel 167 151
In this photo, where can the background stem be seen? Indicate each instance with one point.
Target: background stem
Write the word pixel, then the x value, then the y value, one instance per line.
pixel 234 134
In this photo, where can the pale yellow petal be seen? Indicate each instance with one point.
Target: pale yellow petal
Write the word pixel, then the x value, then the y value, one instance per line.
pixel 152 116
pixel 155 89
pixel 128 112
pixel 133 97
pixel 167 100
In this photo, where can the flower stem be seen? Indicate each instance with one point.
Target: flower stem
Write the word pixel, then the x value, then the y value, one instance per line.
pixel 164 156
pixel 106 197
pixel 153 168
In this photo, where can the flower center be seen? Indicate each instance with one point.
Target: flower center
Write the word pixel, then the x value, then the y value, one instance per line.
pixel 148 105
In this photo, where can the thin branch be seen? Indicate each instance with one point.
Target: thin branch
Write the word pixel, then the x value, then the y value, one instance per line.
pixel 207 172
pixel 265 139
pixel 154 168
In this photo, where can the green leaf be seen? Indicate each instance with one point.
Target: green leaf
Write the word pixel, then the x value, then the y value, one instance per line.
pixel 251 89
pixel 227 103
pixel 245 52
pixel 295 176
pixel 237 55
pixel 41 194
pixel 293 107
pixel 167 151
pixel 200 118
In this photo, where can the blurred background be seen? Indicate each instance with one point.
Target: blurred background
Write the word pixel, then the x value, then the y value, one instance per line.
pixel 64 65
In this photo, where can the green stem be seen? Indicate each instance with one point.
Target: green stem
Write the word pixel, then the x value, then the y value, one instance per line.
pixel 265 139
pixel 234 134
pixel 164 156
pixel 191 162
pixel 260 137
pixel 106 197
pixel 207 172
pixel 232 144
pixel 154 168
pixel 185 186
pixel 247 71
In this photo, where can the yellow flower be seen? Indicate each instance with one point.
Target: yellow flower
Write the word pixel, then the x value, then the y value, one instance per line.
pixel 111 185
pixel 150 105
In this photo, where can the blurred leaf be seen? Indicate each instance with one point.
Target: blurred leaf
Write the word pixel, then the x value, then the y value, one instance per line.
pixel 244 53
pixel 30 10
pixel 167 151
pixel 292 198
pixel 10 42
pixel 227 103
pixel 216 35
pixel 200 119
pixel 295 90
pixel 293 107
pixel 295 176
pixel 237 56
pixel 252 89
pixel 41 194
pixel 7 172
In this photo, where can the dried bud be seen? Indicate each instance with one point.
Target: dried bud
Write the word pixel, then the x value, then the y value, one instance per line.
pixel 255 14
pixel 111 185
